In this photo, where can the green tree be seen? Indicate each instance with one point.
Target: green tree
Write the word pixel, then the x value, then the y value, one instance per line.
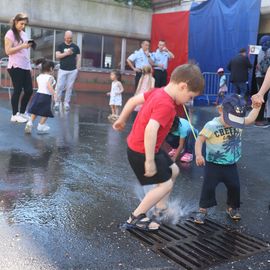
pixel 139 3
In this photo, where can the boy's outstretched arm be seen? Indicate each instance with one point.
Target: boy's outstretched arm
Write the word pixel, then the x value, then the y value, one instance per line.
pixel 150 140
pixel 252 116
pixel 127 110
pixel 198 150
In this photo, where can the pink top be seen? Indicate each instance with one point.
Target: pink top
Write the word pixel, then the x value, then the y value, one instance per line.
pixel 20 59
pixel 145 86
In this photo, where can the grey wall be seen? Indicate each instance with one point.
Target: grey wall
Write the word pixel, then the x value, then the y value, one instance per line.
pixel 105 16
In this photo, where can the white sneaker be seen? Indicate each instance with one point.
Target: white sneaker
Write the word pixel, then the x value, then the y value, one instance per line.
pixel 56 106
pixel 66 106
pixel 18 118
pixel 42 129
pixel 26 116
pixel 28 127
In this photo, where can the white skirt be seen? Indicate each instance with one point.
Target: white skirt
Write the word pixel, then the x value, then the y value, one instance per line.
pixel 116 100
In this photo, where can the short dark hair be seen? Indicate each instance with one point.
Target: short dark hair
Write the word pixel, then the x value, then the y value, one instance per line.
pixel 117 74
pixel 145 41
pixel 243 50
pixel 190 74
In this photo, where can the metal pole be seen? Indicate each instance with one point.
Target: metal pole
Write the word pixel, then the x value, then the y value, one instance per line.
pixel 123 54
pixel 54 41
pixel 102 52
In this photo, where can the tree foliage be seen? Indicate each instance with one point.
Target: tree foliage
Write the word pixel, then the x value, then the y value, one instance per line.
pixel 139 3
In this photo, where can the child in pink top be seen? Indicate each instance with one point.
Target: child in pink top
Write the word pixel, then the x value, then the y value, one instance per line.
pixel 146 83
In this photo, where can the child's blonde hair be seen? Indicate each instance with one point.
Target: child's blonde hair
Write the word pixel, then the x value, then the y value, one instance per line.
pixel 146 70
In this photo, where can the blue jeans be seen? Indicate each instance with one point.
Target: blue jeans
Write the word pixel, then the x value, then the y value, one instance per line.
pixel 241 88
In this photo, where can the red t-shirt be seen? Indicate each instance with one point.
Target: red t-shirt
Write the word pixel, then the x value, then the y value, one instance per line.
pixel 158 106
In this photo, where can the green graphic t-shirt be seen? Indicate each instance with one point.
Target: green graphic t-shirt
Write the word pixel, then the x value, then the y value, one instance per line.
pixel 223 144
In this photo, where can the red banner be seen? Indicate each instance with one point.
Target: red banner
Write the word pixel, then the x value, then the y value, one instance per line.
pixel 173 28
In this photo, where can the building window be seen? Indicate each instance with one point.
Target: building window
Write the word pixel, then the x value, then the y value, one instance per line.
pixel 112 52
pixel 132 46
pixel 45 42
pixel 91 50
pixel 3 30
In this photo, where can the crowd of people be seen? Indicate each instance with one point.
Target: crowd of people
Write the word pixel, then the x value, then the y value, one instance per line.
pixel 154 113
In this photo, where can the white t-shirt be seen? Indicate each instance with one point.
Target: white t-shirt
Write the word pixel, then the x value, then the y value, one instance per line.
pixel 42 81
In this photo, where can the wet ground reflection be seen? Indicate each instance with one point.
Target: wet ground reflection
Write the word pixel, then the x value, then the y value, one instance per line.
pixel 68 190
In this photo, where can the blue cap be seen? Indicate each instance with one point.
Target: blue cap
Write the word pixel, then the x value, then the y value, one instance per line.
pixel 234 111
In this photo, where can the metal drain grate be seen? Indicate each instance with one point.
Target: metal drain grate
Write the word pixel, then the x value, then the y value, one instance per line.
pixel 194 246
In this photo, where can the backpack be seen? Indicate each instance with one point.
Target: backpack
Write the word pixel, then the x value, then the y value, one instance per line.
pixel 264 64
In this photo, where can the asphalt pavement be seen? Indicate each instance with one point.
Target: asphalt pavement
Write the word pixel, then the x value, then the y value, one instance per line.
pixel 62 195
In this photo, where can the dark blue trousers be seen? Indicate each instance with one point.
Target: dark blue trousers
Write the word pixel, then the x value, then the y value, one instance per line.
pixel 215 174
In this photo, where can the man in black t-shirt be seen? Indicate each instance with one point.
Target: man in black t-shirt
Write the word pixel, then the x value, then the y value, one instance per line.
pixel 239 67
pixel 69 55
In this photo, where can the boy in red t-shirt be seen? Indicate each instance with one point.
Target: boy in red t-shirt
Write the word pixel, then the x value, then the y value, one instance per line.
pixel 152 124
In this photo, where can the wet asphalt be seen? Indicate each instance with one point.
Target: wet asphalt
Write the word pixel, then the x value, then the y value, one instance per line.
pixel 62 195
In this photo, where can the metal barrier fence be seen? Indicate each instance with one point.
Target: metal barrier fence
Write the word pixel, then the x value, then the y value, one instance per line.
pixel 6 83
pixel 209 95
pixel 212 87
pixel 212 83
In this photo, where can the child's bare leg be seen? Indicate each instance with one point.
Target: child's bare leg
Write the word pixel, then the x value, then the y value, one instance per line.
pixel 43 120
pixel 153 197
pixel 113 109
pixel 33 117
pixel 117 110
pixel 162 204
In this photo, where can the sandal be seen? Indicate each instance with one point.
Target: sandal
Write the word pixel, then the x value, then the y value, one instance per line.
pixel 159 214
pixel 141 222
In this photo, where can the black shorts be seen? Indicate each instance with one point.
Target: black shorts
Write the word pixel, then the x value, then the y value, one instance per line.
pixel 163 164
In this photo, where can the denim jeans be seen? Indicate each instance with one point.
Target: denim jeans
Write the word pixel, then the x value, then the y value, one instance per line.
pixel 241 88
pixel 65 81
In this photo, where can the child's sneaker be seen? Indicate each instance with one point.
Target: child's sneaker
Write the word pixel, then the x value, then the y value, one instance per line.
pixel 57 106
pixel 233 213
pixel 200 217
pixel 66 106
pixel 172 152
pixel 42 129
pixel 187 157
pixel 28 127
pixel 18 118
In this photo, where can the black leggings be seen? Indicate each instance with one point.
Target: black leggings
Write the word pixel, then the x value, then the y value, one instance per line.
pixel 21 80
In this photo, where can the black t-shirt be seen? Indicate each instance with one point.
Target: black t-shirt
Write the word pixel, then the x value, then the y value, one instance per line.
pixel 68 62
pixel 239 67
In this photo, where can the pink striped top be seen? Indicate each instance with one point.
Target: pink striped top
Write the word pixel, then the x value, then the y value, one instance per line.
pixel 20 59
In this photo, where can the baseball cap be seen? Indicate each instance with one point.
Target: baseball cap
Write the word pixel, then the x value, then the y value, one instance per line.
pixel 234 111
pixel 220 70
